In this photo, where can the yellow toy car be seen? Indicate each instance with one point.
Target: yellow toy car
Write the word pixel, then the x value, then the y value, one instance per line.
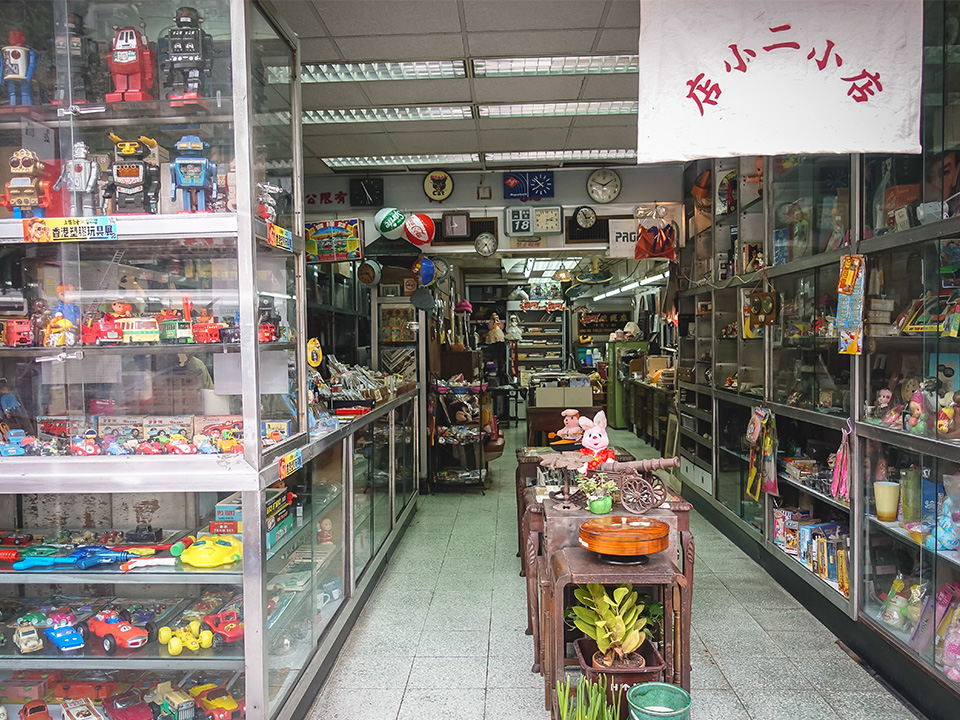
pixel 213 550
pixel 216 703
pixel 190 637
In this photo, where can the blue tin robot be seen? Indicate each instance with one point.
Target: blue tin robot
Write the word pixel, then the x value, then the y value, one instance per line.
pixel 17 65
pixel 194 174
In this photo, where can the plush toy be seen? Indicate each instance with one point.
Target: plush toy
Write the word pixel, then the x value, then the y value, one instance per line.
pixel 571 431
pixel 948 419
pixel 945 537
pixel 595 441
pixel 496 333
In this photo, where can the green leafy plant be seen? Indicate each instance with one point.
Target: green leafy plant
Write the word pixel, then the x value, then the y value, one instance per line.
pixel 596 488
pixel 589 703
pixel 615 621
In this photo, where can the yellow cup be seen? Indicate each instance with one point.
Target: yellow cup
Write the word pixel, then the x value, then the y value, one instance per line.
pixel 887 495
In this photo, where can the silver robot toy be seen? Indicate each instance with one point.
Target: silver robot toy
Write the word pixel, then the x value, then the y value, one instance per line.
pixel 81 175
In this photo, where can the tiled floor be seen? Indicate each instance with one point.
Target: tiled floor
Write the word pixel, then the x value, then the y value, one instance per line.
pixel 443 633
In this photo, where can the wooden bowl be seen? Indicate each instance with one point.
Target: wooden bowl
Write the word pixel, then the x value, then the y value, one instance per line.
pixel 625 536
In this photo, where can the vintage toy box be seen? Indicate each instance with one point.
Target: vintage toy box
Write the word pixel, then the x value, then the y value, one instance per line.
pixel 279 532
pixel 120 426
pixel 63 427
pixel 214 425
pixel 230 507
pixel 168 425
pixel 268 427
pixel 780 518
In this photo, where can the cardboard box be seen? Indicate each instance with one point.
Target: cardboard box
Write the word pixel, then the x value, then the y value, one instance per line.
pixel 279 532
pixel 214 425
pixel 168 425
pixel 226 527
pixel 578 397
pixel 552 397
pixel 120 426
pixel 230 507
pixel 63 427
pixel 271 426
pixel 780 518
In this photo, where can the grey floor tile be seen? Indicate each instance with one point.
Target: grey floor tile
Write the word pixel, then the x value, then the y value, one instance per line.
pixel 705 674
pixel 505 642
pixel 753 672
pixel 865 705
pixel 773 704
pixel 509 671
pixel 837 672
pixel 383 640
pixel 714 704
pixel 343 704
pixel 449 672
pixel 379 671
pixel 466 643
pixel 460 703
pixel 804 644
pixel 409 581
pixel 746 640
pixel 444 617
pixel 514 703
pixel 786 620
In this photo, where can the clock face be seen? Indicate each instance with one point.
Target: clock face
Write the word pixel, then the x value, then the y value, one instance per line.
pixel 366 192
pixel 438 185
pixel 441 268
pixel 456 225
pixel 548 220
pixel 369 272
pixel 585 217
pixel 603 185
pixel 486 244
pixel 519 221
pixel 541 184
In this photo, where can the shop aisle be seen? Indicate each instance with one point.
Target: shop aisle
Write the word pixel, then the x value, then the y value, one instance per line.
pixel 443 633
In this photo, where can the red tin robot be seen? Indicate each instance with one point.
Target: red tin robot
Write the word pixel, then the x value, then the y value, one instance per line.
pixel 132 65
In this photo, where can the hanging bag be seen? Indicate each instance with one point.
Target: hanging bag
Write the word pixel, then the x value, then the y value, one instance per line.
pixel 841 467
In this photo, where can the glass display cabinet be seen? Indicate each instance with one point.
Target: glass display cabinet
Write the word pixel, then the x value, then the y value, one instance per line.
pixel 733 465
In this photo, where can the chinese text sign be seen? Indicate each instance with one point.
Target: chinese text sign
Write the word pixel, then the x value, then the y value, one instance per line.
pixel 723 78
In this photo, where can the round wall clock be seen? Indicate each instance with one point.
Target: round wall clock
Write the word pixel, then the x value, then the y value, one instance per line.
pixel 585 217
pixel 486 244
pixel 438 185
pixel 603 185
pixel 369 272
pixel 441 268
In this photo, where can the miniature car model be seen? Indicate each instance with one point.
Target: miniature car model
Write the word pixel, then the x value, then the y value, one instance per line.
pixel 127 706
pixel 81 709
pixel 35 710
pixel 226 626
pixel 207 332
pixel 96 685
pixel 190 637
pixel 16 332
pixel 144 534
pixel 229 442
pixel 112 447
pixel 101 332
pixel 230 335
pixel 216 703
pixel 212 551
pixel 114 631
pixel 175 330
pixel 86 445
pixel 32 618
pixel 267 333
pixel 179 445
pixel 167 701
pixel 16 539
pixel 27 639
pixel 65 637
pixel 149 447
pixel 61 616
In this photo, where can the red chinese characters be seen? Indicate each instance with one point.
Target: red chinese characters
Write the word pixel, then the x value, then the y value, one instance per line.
pixel 862 86
pixel 741 63
pixel 822 62
pixel 784 45
pixel 703 92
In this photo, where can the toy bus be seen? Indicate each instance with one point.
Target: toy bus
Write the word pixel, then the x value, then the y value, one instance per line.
pixel 139 329
pixel 267 333
pixel 208 332
pixel 16 331
pixel 176 331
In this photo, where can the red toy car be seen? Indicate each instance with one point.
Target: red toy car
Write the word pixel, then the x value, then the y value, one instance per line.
pixel 180 447
pixel 35 710
pixel 17 332
pixel 226 626
pixel 267 333
pixel 16 538
pixel 127 706
pixel 96 688
pixel 114 631
pixel 150 447
pixel 101 332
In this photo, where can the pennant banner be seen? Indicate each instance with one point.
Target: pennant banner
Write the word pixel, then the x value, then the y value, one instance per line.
pixel 767 77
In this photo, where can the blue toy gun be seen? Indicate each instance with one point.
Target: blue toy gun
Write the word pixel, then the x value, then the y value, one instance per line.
pixel 82 558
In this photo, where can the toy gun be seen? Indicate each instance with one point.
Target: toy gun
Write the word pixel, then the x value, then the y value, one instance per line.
pixel 83 558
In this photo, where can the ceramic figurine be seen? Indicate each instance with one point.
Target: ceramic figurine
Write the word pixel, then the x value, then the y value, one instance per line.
pixel 81 175
pixel 17 65
pixel 186 57
pixel 131 64
pixel 39 319
pixel 194 175
pixel 134 186
pixel 496 333
pixel 571 432
pixel 66 293
pixel 514 331
pixel 325 532
pixel 26 191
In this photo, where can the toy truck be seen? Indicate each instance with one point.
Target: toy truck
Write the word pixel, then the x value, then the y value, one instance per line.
pixel 169 703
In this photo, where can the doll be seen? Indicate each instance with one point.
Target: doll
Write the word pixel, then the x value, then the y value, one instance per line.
pixel 571 431
pixel 325 532
pixel 914 417
pixel 595 442
pixel 882 405
pixel 66 293
pixel 496 333
pixel 39 319
pixel 948 422
pixel 514 331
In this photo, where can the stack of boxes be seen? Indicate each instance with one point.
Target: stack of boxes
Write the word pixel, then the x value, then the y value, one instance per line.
pixel 823 547
pixel 279 501
pixel 879 320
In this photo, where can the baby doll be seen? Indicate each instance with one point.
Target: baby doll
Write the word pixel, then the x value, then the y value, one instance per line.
pixel 595 442
pixel 882 406
pixel 325 532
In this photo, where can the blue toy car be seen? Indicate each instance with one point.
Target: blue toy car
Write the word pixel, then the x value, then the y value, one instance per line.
pixel 65 638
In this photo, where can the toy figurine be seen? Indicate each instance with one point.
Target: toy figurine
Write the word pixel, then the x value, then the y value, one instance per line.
pixel 17 65
pixel 571 431
pixel 496 332
pixel 73 50
pixel 131 64
pixel 59 332
pixel 882 406
pixel 135 182
pixel 81 175
pixel 26 190
pixel 514 331
pixel 195 175
pixel 266 202
pixel 595 442
pixel 39 318
pixel 186 57
pixel 325 532
pixel 65 307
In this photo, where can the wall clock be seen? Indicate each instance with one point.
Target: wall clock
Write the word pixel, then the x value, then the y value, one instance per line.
pixel 369 272
pixel 441 268
pixel 519 221
pixel 438 185
pixel 455 225
pixel 585 217
pixel 541 184
pixel 486 244
pixel 366 192
pixel 603 186
pixel 548 220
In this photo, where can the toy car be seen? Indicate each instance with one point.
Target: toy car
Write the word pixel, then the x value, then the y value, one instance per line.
pixel 27 639
pixel 16 539
pixel 81 709
pixel 65 637
pixel 267 333
pixel 87 445
pixel 127 706
pixel 230 335
pixel 149 447
pixel 166 701
pixel 178 445
pixel 229 442
pixel 112 447
pixel 216 703
pixel 32 618
pixel 191 637
pixel 212 551
pixel 226 626
pixel 96 685
pixel 114 631
pixel 101 332
pixel 207 332
pixel 35 710
pixel 144 534
pixel 61 616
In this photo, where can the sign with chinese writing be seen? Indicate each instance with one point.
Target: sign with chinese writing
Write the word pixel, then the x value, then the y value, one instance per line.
pixel 43 230
pixel 850 304
pixel 326 198
pixel 528 185
pixel 767 77
pixel 334 240
pixel 290 463
pixel 279 238
pixel 623 238
pixel 534 241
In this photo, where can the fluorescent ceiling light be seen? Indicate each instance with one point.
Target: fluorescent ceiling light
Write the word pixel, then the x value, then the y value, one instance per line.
pixel 558 65
pixel 554 155
pixel 603 107
pixel 529 267
pixel 653 279
pixel 388 114
pixel 631 286
pixel 365 72
pixel 378 160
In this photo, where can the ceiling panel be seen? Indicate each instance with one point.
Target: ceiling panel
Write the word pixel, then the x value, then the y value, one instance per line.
pixel 301 16
pixel 326 129
pixel 424 143
pixel 523 123
pixel 401 47
pixel 510 14
pixel 314 166
pixel 350 145
pixel 527 43
pixel 607 138
pixel 510 140
pixel 625 41
pixel 609 87
pixel 402 128
pixel 522 89
pixel 412 92
pixel 388 17
pixel 332 95
pixel 318 50
pixel 587 121
pixel 623 13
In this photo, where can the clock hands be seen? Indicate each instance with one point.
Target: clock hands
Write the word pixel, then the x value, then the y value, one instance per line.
pixel 366 192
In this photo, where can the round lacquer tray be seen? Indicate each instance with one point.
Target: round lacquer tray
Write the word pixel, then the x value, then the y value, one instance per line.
pixel 624 539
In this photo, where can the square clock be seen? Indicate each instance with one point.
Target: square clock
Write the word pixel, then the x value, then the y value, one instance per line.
pixel 547 220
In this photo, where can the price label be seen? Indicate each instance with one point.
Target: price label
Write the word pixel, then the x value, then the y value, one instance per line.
pixel 290 463
pixel 279 238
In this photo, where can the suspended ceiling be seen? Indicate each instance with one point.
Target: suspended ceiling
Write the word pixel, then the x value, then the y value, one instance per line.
pixel 339 31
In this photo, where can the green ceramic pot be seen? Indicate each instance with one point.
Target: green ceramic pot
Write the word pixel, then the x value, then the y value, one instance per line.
pixel 601 506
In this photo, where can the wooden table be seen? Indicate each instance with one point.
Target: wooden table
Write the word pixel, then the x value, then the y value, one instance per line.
pixel 548 419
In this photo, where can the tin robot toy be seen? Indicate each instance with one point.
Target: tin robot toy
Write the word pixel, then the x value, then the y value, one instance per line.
pixel 186 58
pixel 17 65
pixel 81 175
pixel 134 185
pixel 131 63
pixel 194 174
pixel 26 190
pixel 74 50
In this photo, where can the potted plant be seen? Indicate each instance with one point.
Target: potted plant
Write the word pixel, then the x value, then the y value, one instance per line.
pixel 618 644
pixel 599 492
pixel 588 702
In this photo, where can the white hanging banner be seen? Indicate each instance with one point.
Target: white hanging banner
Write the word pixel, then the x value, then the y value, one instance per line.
pixel 723 78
